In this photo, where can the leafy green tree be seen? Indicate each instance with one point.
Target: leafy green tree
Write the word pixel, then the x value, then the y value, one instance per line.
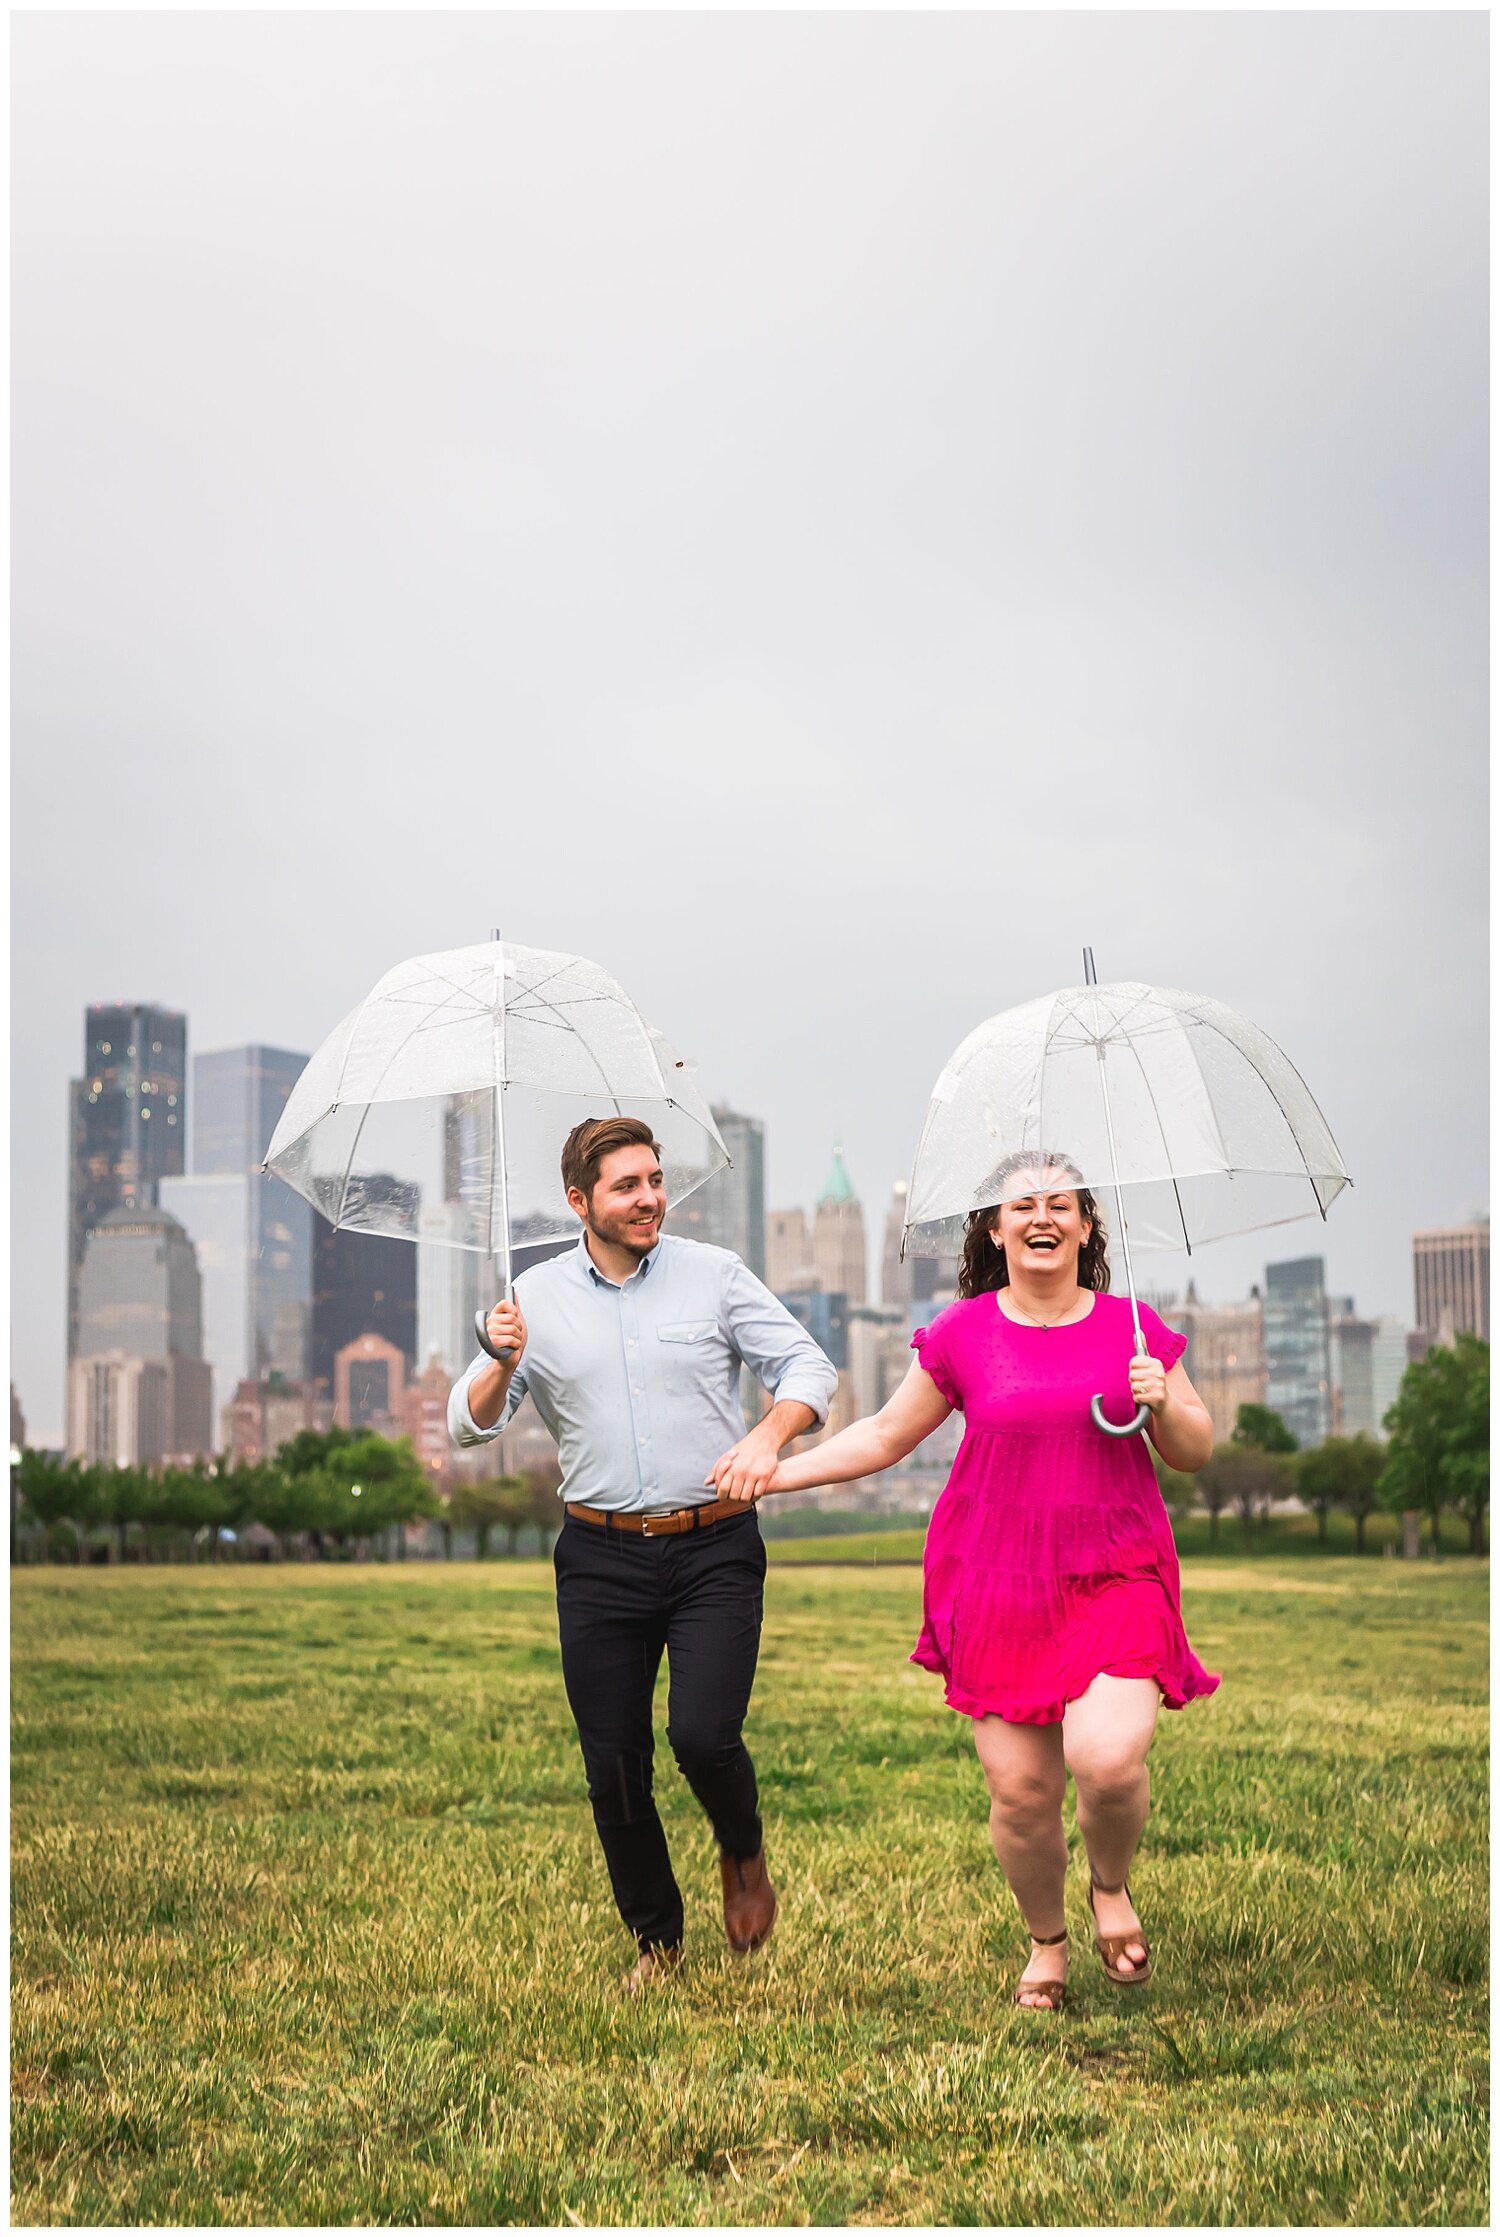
pixel 128 1496
pixel 543 1480
pixel 1177 1490
pixel 1242 1476
pixel 377 1481
pixel 1262 1428
pixel 1215 1488
pixel 189 1499
pixel 286 1504
pixel 1467 1466
pixel 343 1484
pixel 1438 1455
pixel 498 1503
pixel 313 1449
pixel 54 1492
pixel 1341 1472
pixel 238 1484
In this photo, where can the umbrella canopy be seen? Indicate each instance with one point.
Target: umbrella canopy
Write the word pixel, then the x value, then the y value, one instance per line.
pixel 1214 1132
pixel 439 1106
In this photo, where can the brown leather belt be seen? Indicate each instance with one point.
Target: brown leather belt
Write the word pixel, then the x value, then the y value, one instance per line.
pixel 668 1524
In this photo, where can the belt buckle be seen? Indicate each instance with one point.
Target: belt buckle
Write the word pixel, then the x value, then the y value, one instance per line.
pixel 645 1526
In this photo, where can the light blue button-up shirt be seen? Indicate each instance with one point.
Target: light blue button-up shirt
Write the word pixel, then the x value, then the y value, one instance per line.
pixel 638 1380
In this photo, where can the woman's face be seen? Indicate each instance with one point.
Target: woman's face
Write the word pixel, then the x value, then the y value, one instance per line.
pixel 1041 1233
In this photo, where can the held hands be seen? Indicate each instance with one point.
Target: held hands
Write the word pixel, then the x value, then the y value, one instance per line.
pixel 1148 1383
pixel 506 1328
pixel 747 1471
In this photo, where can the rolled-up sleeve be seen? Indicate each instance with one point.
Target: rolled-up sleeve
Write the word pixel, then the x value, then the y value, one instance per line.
pixel 774 1344
pixel 463 1429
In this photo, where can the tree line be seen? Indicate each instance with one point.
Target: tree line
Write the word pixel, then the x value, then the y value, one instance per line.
pixel 1437 1456
pixel 331 1490
pixel 337 1488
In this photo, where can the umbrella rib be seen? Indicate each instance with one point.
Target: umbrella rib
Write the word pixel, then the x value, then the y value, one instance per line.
pixel 369 1102
pixel 1276 1099
pixel 1165 1146
pixel 558 972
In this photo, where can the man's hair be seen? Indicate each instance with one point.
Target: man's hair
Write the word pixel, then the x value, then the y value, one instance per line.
pixel 590 1143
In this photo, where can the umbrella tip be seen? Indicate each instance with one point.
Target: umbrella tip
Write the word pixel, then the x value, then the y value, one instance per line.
pixel 1090 975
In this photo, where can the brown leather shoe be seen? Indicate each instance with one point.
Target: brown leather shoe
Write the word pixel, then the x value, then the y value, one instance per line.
pixel 749 1900
pixel 652 1966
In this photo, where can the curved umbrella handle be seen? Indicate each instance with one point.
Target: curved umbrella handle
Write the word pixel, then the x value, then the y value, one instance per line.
pixel 482 1333
pixel 1102 1421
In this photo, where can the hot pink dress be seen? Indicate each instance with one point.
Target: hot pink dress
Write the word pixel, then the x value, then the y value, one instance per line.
pixel 1049 1555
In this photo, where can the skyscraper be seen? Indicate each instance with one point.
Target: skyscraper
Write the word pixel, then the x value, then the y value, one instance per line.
pixel 449 1284
pixel 895 1271
pixel 1226 1356
pixel 253 1234
pixel 363 1285
pixel 369 1382
pixel 839 1235
pixel 1296 1340
pixel 789 1252
pixel 730 1209
pixel 138 1385
pixel 127 1120
pixel 1451 1277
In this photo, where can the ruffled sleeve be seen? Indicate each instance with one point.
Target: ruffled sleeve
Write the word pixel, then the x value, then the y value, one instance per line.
pixel 1162 1342
pixel 932 1358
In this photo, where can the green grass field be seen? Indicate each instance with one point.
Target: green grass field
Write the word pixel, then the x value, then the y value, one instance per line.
pixel 309 1924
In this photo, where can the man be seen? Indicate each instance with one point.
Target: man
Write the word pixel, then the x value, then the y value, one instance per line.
pixel 631 1347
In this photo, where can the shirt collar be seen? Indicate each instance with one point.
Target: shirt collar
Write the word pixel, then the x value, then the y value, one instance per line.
pixel 602 1281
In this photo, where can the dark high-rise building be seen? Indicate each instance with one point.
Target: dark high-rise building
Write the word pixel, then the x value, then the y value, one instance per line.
pixel 238 1095
pixel 363 1285
pixel 127 1120
pixel 1295 1326
pixel 730 1209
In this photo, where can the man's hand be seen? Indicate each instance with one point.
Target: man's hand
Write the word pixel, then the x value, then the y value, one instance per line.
pixel 745 1471
pixel 506 1329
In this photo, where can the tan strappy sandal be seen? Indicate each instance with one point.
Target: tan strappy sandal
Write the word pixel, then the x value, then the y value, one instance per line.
pixel 1111 1947
pixel 1053 1994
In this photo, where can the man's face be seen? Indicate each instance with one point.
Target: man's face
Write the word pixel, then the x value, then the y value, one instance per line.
pixel 629 1200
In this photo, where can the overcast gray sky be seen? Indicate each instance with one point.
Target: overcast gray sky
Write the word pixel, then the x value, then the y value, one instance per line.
pixel 824 514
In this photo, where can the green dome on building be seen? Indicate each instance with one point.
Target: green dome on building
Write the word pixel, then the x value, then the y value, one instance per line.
pixel 838 1188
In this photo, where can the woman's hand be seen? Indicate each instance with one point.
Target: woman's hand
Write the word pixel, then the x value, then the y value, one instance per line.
pixel 1148 1383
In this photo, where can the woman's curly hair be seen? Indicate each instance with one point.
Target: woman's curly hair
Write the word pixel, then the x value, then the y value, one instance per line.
pixel 982 1266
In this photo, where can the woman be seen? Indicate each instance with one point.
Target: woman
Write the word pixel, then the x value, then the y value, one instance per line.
pixel 1051 1601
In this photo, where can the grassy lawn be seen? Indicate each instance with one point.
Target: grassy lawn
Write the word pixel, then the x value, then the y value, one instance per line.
pixel 309 1924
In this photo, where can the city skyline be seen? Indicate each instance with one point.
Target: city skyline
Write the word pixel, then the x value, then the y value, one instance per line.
pixel 248 1084
pixel 828 593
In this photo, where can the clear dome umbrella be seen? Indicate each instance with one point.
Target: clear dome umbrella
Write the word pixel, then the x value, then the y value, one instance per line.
pixel 1186 1112
pixel 455 1083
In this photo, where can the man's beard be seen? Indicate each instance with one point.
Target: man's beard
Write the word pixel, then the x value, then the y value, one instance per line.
pixel 625 1240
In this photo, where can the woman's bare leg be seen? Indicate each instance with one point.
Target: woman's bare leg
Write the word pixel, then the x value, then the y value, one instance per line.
pixel 1105 1736
pixel 1023 1768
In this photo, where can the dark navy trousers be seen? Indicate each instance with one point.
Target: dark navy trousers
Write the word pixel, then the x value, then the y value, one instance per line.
pixel 623 1599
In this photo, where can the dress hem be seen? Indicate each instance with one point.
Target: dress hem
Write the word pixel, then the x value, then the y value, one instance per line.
pixel 1176 1690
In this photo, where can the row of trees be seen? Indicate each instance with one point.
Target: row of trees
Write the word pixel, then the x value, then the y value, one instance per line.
pixel 334 1488
pixel 1437 1457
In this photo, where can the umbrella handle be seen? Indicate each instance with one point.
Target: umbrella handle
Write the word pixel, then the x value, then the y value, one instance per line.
pixel 1117 1428
pixel 1142 1413
pixel 482 1333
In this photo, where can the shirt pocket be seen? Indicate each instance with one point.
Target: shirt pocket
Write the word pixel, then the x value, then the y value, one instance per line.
pixel 691 1357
